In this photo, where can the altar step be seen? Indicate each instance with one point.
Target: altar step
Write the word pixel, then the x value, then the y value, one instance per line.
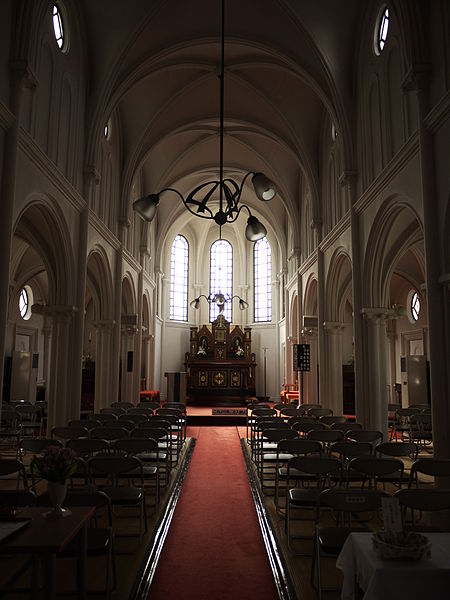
pixel 216 415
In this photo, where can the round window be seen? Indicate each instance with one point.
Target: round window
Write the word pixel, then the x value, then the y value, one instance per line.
pixel 415 306
pixel 334 132
pixel 381 31
pixel 25 302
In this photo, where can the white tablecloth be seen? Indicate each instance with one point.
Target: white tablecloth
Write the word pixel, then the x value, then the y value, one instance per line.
pixel 380 579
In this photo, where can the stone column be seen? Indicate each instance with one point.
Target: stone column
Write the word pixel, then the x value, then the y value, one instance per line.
pixel 128 344
pixel 392 336
pixel 116 342
pixel 103 361
pixel 60 411
pixel 439 351
pixel 372 412
pixel 147 340
pixel 47 334
pixel 20 77
pixel 332 396
pixel 310 391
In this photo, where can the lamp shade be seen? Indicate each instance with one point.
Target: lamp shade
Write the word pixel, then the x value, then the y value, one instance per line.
pixel 146 206
pixel 195 303
pixel 242 304
pixel 264 188
pixel 255 230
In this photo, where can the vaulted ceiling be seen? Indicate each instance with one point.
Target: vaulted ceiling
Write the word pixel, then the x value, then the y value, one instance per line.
pixel 288 65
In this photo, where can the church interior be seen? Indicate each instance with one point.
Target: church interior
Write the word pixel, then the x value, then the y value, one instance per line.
pixel 225 203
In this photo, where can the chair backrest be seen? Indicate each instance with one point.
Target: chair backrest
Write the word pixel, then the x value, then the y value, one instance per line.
pixel 319 468
pixel 125 422
pixel 95 498
pixel 347 450
pixel 332 419
pixel 325 435
pixel 109 433
pixel 275 435
pixel 364 435
pixel 136 446
pixel 289 411
pixel 175 412
pixel 263 411
pixel 423 500
pixel 114 465
pixel 13 499
pixel 134 418
pixel 140 411
pixel 31 411
pixel 346 426
pixel 320 412
pixel 113 411
pixel 404 449
pixel 87 423
pixel 263 425
pixel 10 418
pixel 68 433
pixel 420 407
pixel 304 428
pixel 433 467
pixel 374 467
pixel 178 405
pixel 151 404
pixel 298 446
pixel 348 503
pixel 38 445
pixel 302 419
pixel 11 466
pixel 156 433
pixel 162 419
pixel 88 447
pixel 104 417
pixel 124 405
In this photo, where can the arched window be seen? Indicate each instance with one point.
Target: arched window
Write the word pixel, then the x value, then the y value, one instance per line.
pixel 221 277
pixel 179 266
pixel 262 270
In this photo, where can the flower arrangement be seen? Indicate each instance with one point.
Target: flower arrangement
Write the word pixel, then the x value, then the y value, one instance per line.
pixel 55 464
pixel 240 351
pixel 201 351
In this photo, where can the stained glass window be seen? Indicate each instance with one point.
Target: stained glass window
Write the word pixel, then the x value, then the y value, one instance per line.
pixel 179 267
pixel 262 269
pixel 221 277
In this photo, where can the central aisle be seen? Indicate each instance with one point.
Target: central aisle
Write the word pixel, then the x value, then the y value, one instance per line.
pixel 214 548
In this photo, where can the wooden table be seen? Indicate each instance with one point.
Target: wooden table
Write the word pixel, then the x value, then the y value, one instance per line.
pixel 394 579
pixel 44 538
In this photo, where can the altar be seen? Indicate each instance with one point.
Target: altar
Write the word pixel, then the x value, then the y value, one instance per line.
pixel 220 365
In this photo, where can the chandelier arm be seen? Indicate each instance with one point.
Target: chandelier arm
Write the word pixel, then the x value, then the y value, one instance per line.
pixel 238 212
pixel 241 187
pixel 196 214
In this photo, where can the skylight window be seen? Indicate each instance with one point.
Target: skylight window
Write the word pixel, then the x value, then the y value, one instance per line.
pixel 58 27
pixel 381 31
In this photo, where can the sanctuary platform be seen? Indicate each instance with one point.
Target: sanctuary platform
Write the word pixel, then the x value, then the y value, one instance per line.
pixel 216 415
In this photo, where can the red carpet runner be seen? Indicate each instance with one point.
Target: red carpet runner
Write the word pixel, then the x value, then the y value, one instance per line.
pixel 214 548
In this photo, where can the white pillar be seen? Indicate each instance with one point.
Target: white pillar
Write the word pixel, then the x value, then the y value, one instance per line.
pixel 332 396
pixel 374 405
pixel 103 362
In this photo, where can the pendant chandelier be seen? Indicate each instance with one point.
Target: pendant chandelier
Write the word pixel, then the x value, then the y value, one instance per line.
pixel 218 200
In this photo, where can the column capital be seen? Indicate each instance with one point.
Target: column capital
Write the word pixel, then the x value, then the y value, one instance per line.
pixel 333 326
pixel 91 174
pixel 104 324
pixel 348 177
pixel 55 311
pixel 380 313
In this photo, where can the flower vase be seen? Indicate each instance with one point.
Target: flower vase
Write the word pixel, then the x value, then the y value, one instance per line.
pixel 56 493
